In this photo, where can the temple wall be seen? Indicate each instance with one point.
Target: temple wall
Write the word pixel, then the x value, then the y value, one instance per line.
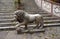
pixel 48 6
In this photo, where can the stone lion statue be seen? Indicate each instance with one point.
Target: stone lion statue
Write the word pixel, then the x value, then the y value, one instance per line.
pixel 24 18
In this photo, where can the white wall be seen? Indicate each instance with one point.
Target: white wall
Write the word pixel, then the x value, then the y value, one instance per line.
pixel 47 6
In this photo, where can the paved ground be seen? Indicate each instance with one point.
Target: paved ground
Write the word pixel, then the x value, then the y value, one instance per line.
pixel 13 35
pixel 3 34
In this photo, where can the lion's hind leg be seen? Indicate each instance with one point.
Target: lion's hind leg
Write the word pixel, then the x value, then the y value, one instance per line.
pixel 41 22
pixel 37 19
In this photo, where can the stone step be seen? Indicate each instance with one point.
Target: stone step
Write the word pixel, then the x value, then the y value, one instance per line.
pixel 6 11
pixel 50 18
pixel 47 22
pixel 7 28
pixel 38 12
pixel 6 20
pixel 6 14
pixel 52 24
pixel 28 12
pixel 9 17
pixel 2 11
pixel 45 25
pixel 12 14
pixel 44 15
pixel 23 31
pixel 6 17
pixel 8 24
pixel 51 21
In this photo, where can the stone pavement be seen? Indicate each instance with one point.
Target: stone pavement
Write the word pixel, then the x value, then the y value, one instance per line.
pixel 3 34
pixel 14 35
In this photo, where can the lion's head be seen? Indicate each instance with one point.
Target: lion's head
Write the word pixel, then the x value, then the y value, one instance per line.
pixel 20 15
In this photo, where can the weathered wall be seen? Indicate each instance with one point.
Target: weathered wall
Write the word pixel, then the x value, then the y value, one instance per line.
pixel 49 7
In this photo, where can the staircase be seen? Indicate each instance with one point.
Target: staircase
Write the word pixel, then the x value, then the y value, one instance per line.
pixel 50 20
pixel 6 18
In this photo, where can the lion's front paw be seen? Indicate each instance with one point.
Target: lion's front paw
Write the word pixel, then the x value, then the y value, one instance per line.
pixel 18 30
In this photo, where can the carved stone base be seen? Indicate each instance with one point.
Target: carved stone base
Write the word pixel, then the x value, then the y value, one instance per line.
pixel 29 30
